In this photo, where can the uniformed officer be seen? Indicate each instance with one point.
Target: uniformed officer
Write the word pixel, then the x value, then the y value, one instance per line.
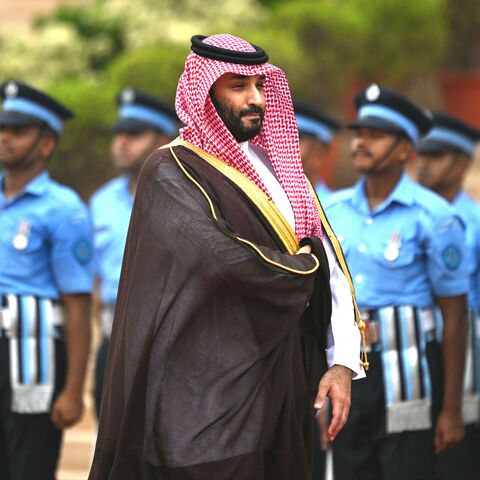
pixel 46 278
pixel 144 123
pixel 405 247
pixel 317 131
pixel 445 156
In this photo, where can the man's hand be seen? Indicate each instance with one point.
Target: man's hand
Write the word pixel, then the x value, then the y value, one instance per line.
pixel 448 430
pixel 335 384
pixel 67 410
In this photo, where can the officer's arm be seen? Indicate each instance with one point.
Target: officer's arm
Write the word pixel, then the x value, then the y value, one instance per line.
pixel 449 429
pixel 71 258
pixel 449 275
pixel 68 407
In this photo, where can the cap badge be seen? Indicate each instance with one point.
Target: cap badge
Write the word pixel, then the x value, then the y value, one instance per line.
pixel 373 92
pixel 428 113
pixel 128 95
pixel 11 90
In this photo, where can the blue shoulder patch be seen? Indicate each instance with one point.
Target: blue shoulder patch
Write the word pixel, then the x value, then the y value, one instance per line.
pixel 452 257
pixel 82 251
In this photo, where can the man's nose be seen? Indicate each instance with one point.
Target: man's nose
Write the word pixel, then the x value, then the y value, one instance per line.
pixel 256 97
pixel 420 163
pixel 357 141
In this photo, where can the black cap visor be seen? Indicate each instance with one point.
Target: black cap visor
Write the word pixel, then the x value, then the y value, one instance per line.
pixel 376 123
pixel 436 147
pixel 131 125
pixel 16 119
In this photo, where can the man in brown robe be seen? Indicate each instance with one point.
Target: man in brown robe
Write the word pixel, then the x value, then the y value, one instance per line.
pixel 221 332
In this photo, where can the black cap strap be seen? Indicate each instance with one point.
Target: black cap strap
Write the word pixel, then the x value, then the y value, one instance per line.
pixel 230 56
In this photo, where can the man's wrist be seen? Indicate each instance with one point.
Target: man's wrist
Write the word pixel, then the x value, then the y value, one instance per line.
pixel 344 368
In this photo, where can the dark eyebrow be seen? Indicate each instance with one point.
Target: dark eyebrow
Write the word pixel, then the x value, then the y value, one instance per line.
pixel 243 77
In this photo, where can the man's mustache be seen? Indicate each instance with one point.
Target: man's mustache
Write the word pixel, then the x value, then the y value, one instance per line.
pixel 362 151
pixel 252 111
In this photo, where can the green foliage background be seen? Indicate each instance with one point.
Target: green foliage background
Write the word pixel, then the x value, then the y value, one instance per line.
pixel 85 55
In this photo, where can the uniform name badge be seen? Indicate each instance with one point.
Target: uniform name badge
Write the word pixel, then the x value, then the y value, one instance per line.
pixel 20 241
pixel 393 248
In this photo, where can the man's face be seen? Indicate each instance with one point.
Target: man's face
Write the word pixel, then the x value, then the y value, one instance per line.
pixel 313 153
pixel 240 103
pixel 436 170
pixel 130 149
pixel 373 150
pixel 16 143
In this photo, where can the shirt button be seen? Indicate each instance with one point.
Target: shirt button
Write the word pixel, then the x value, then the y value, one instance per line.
pixel 362 248
pixel 369 220
pixel 358 278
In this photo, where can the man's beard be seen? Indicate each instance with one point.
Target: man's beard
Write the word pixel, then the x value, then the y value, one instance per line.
pixel 233 120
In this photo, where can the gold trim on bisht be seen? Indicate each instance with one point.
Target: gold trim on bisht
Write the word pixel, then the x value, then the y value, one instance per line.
pixel 243 240
pixel 268 209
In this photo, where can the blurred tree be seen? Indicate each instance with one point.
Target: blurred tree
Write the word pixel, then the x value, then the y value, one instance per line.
pixel 463 50
pixel 403 39
pixel 41 55
pixel 92 25
pixel 149 22
pixel 152 69
pixel 82 158
pixel 316 43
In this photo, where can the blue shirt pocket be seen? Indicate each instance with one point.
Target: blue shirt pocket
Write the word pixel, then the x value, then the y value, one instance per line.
pixel 23 253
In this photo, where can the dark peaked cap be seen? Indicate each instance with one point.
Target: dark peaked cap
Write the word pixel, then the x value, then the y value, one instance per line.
pixel 388 110
pixel 448 134
pixel 312 121
pixel 26 106
pixel 139 111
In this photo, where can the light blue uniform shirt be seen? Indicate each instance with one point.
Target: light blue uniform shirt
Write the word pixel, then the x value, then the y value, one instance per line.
pixel 410 249
pixel 111 207
pixel 45 241
pixel 323 192
pixel 469 211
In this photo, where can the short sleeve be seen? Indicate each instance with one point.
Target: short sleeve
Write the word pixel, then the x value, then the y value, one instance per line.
pixel 447 257
pixel 72 252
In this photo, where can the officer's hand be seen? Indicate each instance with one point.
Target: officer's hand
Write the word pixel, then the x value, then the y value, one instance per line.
pixel 67 410
pixel 448 430
pixel 337 385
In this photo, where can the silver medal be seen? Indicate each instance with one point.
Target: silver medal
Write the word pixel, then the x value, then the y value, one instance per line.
pixel 20 241
pixel 393 248
pixel 391 252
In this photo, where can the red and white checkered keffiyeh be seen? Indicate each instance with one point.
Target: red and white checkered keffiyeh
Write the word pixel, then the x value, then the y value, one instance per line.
pixel 279 135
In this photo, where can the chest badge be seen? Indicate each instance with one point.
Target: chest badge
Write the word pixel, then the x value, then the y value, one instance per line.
pixel 20 241
pixel 393 248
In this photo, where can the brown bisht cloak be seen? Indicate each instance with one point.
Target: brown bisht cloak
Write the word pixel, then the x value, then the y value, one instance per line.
pixel 214 360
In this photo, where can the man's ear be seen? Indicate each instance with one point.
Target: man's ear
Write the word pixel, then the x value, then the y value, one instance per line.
pixel 406 150
pixel 464 162
pixel 48 144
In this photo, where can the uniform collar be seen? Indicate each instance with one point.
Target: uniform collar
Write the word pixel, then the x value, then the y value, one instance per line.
pixel 402 193
pixel 37 186
pixel 460 199
pixel 462 203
